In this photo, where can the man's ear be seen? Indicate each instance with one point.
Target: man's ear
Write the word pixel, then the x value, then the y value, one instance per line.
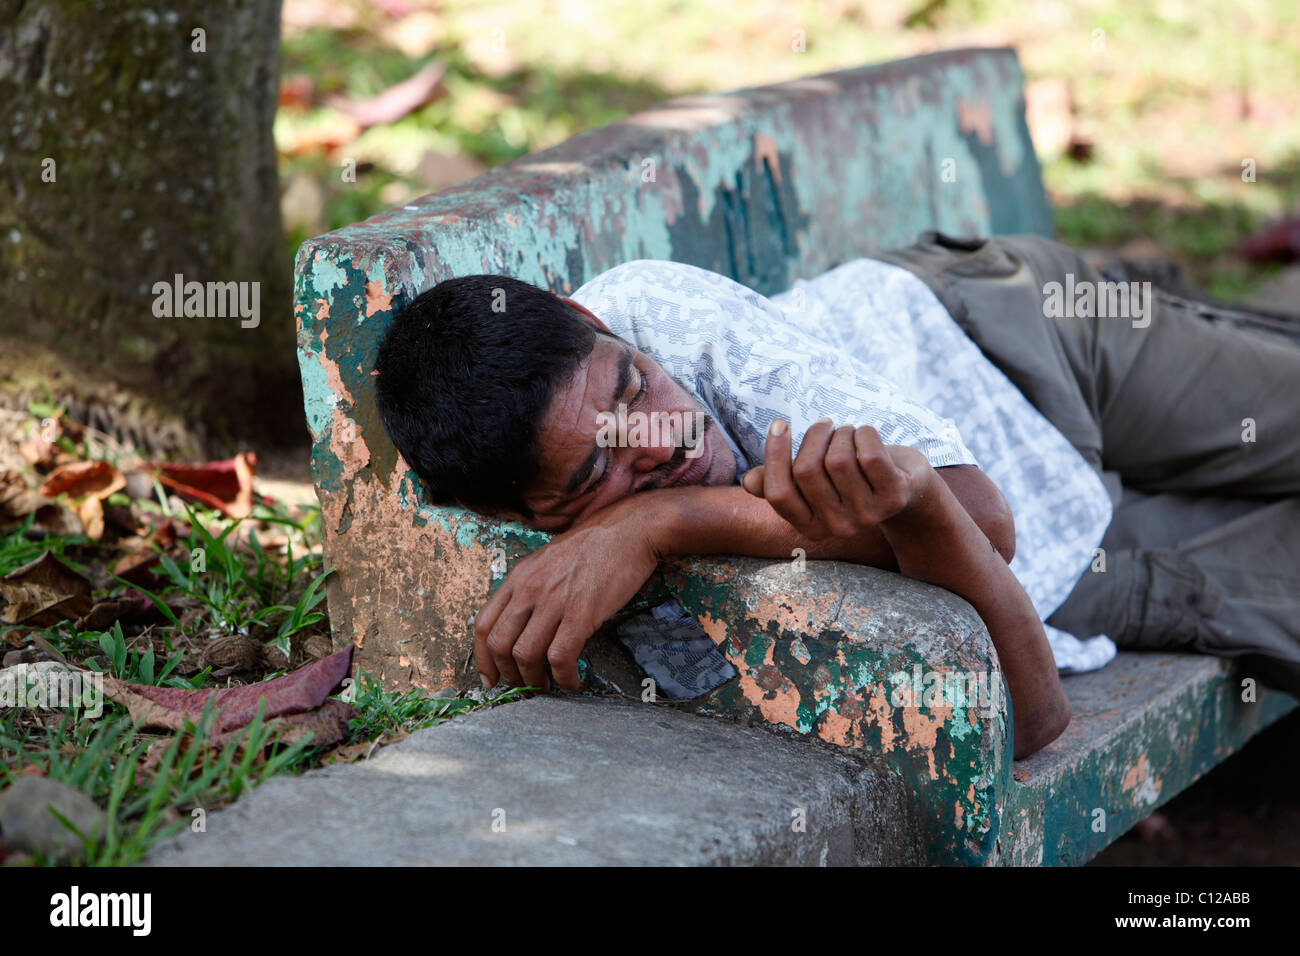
pixel 587 314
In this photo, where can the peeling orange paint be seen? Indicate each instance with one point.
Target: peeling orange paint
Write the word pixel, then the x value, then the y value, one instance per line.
pixel 377 300
pixel 1136 774
pixel 977 117
pixel 765 149
pixel 778 702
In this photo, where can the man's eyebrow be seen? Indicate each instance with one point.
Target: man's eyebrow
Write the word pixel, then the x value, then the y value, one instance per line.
pixel 620 388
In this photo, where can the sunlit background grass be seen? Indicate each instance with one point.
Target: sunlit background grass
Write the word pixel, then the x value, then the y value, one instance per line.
pixel 1142 112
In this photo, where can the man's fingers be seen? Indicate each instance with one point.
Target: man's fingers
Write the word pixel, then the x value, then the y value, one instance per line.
pixel 501 641
pixel 529 652
pixel 778 481
pixel 814 483
pixel 752 481
pixel 487 670
pixel 483 621
pixel 564 651
pixel 879 469
pixel 849 480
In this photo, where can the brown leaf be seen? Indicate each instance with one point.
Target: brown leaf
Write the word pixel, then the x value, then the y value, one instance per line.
pixel 137 567
pixel 59 520
pixel 40 453
pixel 170 707
pixel 240 656
pixel 327 724
pixel 45 592
pixel 131 607
pixel 363 749
pixel 224 485
pixel 17 500
pixel 98 478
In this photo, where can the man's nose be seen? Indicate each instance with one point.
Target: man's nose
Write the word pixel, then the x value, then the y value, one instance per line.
pixel 655 455
pixel 662 447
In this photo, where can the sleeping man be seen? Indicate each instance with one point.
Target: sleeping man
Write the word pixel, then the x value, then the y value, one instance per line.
pixel 1082 478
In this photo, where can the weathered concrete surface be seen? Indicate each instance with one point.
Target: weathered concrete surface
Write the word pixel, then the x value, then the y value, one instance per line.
pixel 831 651
pixel 603 781
pixel 1144 728
pixel 577 781
pixel 764 185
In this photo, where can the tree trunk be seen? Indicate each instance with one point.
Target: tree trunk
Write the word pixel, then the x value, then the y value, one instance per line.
pixel 135 147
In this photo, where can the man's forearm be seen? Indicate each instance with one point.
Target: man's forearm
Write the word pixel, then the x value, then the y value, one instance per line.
pixel 729 520
pixel 938 542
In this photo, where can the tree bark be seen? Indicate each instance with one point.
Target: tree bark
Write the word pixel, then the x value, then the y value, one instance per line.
pixel 135 146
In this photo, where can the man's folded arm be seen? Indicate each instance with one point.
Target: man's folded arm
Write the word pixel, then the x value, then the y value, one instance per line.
pixel 729 520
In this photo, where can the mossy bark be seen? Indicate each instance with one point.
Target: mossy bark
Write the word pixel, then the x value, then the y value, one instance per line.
pixel 135 145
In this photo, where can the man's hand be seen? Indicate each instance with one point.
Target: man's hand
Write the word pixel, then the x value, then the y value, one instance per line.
pixel 556 598
pixel 844 480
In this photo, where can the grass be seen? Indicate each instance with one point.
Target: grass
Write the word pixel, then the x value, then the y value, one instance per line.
pixel 151 785
pixel 1172 100
pixel 144 801
pixel 262 577
pixel 132 664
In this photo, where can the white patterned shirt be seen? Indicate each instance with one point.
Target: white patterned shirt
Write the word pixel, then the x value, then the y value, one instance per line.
pixel 868 343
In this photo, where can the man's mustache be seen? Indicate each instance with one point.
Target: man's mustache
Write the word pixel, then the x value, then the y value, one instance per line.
pixel 664 473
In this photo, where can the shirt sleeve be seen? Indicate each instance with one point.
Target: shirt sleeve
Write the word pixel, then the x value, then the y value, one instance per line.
pixel 747 364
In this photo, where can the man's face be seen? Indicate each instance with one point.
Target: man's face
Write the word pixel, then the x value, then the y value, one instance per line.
pixel 582 470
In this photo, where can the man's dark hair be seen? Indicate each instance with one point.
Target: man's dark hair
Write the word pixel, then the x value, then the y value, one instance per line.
pixel 465 374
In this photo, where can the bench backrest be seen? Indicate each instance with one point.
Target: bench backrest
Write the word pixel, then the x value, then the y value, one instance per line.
pixel 765 185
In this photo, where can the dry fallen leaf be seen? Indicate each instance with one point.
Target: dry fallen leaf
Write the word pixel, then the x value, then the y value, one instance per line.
pixel 131 607
pixel 295 693
pixel 234 655
pixel 17 500
pixel 98 478
pixel 45 592
pixel 91 512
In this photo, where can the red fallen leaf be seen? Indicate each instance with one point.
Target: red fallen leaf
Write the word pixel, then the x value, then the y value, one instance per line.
pixel 1280 242
pixel 298 90
pixel 170 707
pixel 81 478
pixel 224 485
pixel 45 592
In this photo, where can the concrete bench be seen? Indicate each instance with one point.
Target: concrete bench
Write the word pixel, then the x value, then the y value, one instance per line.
pixel 765 185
